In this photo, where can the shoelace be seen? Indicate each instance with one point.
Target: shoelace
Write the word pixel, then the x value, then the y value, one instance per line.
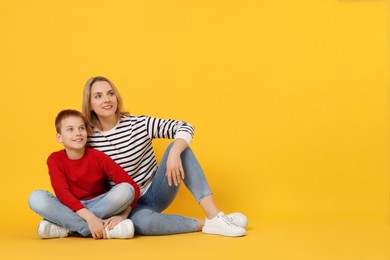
pixel 226 219
pixel 231 218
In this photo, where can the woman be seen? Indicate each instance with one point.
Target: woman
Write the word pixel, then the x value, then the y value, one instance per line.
pixel 127 139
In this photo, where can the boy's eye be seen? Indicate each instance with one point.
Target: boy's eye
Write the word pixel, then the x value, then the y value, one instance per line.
pixel 70 129
pixel 82 128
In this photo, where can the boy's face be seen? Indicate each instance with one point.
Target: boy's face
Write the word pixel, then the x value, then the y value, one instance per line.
pixel 73 133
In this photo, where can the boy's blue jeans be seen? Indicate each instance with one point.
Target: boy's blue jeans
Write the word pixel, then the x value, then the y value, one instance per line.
pixel 109 204
pixel 146 215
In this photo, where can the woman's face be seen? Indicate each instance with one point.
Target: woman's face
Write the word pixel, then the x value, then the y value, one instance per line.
pixel 103 99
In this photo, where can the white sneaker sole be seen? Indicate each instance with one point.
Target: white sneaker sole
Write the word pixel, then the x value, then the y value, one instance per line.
pixel 215 231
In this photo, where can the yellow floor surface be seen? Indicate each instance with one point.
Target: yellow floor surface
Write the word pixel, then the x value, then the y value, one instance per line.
pixel 264 241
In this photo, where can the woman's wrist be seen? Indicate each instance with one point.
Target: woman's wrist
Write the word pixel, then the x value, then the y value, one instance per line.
pixel 179 146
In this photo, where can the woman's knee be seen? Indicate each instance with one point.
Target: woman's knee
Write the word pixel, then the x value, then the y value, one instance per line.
pixel 186 155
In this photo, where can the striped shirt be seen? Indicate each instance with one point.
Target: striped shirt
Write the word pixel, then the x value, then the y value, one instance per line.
pixel 129 144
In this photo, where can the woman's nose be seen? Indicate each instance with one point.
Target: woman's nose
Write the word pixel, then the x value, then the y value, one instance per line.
pixel 106 98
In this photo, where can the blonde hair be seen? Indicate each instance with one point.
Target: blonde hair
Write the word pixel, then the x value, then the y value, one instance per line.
pixel 92 118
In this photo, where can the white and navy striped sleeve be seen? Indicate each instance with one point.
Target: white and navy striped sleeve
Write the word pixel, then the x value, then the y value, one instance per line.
pixel 168 128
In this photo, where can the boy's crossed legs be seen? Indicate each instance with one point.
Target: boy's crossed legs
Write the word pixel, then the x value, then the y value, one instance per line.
pixel 109 204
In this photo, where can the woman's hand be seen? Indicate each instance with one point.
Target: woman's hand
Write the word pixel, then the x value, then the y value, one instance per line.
pixel 111 222
pixel 175 170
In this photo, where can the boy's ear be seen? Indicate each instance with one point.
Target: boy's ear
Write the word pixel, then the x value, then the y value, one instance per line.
pixel 58 138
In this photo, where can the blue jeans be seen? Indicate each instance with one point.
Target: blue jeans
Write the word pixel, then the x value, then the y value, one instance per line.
pixel 147 216
pixel 109 204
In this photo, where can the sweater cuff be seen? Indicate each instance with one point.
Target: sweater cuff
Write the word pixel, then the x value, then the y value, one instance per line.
pixel 77 206
pixel 184 135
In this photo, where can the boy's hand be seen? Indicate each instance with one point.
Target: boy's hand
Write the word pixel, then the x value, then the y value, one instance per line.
pixel 96 226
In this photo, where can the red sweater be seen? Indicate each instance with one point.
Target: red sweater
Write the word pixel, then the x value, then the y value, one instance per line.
pixel 85 178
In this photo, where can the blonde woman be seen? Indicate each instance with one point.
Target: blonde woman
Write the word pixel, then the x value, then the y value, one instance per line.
pixel 127 139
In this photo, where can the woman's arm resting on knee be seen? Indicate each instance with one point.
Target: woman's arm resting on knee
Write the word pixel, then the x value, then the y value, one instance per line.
pixel 175 171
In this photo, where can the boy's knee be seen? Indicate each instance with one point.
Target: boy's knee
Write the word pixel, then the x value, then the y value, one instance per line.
pixel 37 200
pixel 127 188
pixel 34 196
pixel 125 191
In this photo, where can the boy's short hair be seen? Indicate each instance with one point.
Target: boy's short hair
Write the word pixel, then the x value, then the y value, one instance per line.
pixel 68 113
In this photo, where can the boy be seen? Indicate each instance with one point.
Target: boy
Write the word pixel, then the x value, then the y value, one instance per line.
pixel 78 175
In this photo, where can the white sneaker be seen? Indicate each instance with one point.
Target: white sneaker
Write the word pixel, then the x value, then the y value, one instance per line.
pixel 238 219
pixel 47 229
pixel 125 229
pixel 221 225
